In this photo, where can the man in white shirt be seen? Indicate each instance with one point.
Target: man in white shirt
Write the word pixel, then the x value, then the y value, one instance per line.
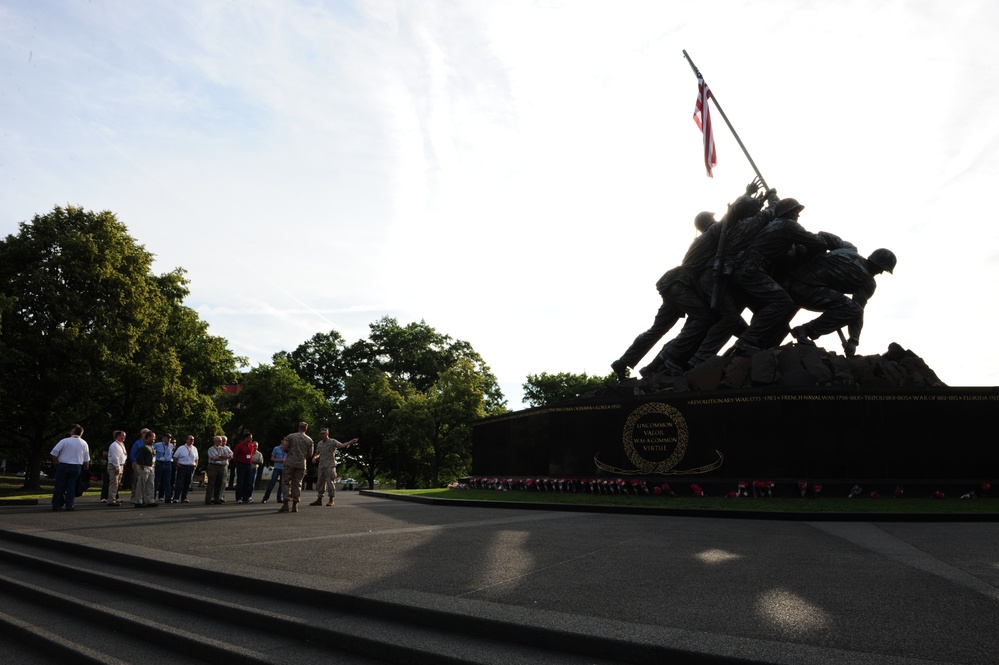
pixel 117 456
pixel 218 460
pixel 186 460
pixel 70 456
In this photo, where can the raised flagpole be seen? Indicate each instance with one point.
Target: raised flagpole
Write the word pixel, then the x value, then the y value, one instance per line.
pixel 725 118
pixel 716 268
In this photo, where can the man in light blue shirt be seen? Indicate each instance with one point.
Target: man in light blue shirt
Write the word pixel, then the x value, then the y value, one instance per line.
pixel 277 458
pixel 163 479
pixel 129 478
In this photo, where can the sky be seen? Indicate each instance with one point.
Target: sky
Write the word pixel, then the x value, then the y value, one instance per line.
pixel 517 174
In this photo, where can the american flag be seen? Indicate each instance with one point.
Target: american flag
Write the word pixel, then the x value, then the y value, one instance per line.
pixel 702 116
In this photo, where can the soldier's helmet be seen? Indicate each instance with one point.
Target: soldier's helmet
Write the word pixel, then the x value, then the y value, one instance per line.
pixel 787 206
pixel 884 259
pixel 704 220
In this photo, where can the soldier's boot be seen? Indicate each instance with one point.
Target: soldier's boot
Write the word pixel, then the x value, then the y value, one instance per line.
pixel 317 502
pixel 294 506
pixel 284 507
pixel 620 369
pixel 801 336
pixel 330 502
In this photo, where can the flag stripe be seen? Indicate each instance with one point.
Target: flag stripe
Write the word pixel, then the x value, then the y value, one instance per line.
pixel 702 117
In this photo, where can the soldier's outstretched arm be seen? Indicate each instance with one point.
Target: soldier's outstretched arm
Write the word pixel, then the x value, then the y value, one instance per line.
pixel 833 241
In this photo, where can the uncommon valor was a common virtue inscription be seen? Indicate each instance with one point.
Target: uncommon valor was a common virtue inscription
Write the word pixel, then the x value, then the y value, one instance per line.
pixel 655 443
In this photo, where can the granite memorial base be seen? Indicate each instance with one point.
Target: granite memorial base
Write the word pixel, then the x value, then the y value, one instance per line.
pixel 923 439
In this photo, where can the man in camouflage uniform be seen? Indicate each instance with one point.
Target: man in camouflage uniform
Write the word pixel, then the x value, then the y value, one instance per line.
pixel 299 447
pixel 325 458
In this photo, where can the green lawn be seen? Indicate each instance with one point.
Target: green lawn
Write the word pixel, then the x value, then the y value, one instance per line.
pixel 11 488
pixel 915 505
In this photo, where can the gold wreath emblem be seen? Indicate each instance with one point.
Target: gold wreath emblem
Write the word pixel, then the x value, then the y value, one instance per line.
pixel 666 467
pixel 675 418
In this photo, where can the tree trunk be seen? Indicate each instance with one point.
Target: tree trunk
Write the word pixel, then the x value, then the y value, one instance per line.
pixel 32 481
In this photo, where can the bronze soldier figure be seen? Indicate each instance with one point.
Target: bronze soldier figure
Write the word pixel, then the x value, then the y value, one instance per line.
pixel 821 284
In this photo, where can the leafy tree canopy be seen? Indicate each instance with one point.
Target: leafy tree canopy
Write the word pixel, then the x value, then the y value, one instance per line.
pixel 545 388
pixel 368 407
pixel 416 354
pixel 408 392
pixel 321 362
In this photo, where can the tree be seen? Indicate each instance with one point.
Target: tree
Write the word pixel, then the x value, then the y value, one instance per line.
pixel 416 354
pixel 321 362
pixel 411 436
pixel 188 368
pixel 272 401
pixel 544 388
pixel 458 398
pixel 444 385
pixel 85 337
pixel 432 430
pixel 370 400
pixel 401 397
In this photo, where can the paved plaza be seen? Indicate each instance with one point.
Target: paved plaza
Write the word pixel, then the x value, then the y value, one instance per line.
pixel 768 590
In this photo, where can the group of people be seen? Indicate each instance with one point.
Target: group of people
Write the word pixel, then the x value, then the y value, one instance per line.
pixel 757 257
pixel 163 471
pixel 299 448
pixel 242 462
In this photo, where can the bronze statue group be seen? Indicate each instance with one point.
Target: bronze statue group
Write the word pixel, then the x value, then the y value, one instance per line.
pixel 757 257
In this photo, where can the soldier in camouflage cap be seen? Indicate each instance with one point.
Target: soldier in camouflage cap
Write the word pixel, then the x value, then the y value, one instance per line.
pixel 299 447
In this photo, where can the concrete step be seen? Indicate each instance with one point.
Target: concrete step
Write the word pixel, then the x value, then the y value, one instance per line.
pixel 213 615
pixel 56 631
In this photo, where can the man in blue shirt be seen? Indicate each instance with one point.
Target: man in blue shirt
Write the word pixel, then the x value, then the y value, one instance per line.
pixel 163 479
pixel 129 476
pixel 277 458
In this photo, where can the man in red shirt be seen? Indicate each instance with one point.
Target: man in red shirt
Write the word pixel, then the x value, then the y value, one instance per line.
pixel 243 457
